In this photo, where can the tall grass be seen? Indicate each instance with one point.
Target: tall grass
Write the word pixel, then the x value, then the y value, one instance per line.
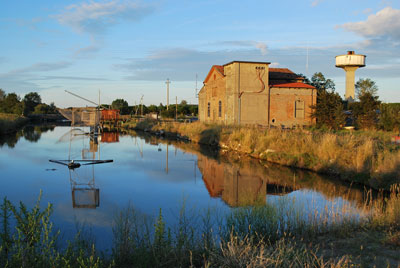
pixel 365 157
pixel 268 235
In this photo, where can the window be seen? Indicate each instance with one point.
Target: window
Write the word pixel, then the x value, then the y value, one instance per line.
pixel 299 109
pixel 219 108
pixel 208 110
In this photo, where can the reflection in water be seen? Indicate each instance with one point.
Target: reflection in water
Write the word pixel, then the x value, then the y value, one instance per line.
pixel 242 181
pixel 30 133
pixel 84 192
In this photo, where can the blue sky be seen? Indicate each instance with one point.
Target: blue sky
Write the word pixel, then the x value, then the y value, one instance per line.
pixel 127 49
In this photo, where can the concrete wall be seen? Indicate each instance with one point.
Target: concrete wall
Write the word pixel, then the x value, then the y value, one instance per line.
pixel 246 104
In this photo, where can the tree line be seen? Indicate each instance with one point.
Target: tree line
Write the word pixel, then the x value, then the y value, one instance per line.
pixel 31 103
pixel 367 112
pixel 181 110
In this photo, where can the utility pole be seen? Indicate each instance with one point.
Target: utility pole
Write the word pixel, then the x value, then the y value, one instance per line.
pixel 168 82
pixel 195 95
pixel 176 108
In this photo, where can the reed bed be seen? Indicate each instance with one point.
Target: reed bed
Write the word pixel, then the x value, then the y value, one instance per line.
pixel 270 235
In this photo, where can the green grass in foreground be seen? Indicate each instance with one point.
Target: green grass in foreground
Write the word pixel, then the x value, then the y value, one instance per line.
pixel 10 122
pixel 263 236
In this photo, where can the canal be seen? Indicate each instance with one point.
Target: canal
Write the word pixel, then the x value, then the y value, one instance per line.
pixel 149 173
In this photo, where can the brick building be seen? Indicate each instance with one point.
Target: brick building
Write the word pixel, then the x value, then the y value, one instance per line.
pixel 242 92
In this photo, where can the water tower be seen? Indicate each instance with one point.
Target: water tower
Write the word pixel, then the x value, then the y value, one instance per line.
pixel 350 63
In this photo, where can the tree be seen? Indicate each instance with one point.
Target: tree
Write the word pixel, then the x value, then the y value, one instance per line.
pixel 319 81
pixel 366 85
pixel 329 108
pixel 121 105
pixel 11 104
pixel 2 94
pixel 365 111
pixel 31 100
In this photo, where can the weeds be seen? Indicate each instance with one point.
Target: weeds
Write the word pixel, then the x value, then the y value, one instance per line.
pixel 262 236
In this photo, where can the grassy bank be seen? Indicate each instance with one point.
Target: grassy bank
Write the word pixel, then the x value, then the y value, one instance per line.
pixel 11 123
pixel 262 236
pixel 365 157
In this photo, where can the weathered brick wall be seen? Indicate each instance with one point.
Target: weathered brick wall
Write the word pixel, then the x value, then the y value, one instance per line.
pixel 283 106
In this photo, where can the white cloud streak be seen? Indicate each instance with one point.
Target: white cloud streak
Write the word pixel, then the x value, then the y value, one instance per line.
pixel 95 17
pixel 384 24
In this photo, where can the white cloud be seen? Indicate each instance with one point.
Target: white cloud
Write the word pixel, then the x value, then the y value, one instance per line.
pixel 95 17
pixel 315 3
pixel 39 67
pixel 250 44
pixel 384 24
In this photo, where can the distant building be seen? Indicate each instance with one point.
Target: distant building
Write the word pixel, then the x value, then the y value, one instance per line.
pixel 242 92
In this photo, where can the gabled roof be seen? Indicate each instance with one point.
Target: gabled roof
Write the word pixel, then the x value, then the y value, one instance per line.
pixel 292 85
pixel 218 68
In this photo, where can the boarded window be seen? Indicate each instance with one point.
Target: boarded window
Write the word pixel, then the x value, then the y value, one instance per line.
pixel 208 110
pixel 299 109
pixel 214 91
pixel 219 108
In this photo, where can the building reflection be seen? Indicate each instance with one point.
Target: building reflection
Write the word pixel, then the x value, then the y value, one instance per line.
pixel 238 185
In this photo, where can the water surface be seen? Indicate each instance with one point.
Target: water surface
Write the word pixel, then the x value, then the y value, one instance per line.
pixel 149 173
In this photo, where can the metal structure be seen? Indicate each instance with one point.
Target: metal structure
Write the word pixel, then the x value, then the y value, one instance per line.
pixel 84 192
pixel 350 63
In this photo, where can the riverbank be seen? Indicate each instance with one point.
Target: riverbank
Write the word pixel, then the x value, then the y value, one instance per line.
pixel 362 157
pixel 261 236
pixel 11 122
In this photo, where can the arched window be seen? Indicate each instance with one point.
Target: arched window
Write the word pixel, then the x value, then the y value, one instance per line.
pixel 219 108
pixel 208 110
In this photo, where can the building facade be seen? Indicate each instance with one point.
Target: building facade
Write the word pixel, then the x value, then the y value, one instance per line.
pixel 242 92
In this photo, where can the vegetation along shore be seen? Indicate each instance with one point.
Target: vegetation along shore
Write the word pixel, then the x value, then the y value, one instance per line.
pixel 367 157
pixel 269 235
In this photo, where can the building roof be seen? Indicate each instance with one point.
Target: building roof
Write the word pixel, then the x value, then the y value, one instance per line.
pixel 218 68
pixel 240 61
pixel 293 85
pixel 282 74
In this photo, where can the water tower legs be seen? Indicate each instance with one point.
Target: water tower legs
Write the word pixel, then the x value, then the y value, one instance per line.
pixel 350 82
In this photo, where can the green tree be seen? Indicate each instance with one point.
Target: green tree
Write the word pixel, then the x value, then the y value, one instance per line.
pixel 2 94
pixel 319 81
pixel 11 104
pixel 328 110
pixel 121 105
pixel 389 118
pixel 365 111
pixel 366 85
pixel 152 108
pixel 31 100
pixel 41 109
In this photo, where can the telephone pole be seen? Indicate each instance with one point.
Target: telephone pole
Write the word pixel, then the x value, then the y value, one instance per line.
pixel 168 82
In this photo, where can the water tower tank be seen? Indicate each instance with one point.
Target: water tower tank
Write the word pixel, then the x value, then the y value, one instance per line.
pixel 350 63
